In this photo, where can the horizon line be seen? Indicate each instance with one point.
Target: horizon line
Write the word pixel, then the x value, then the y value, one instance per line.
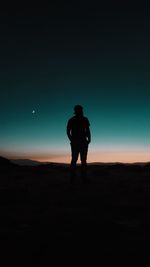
pixel 78 163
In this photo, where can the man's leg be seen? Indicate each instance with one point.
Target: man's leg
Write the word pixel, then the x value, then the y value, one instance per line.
pixel 74 153
pixel 83 155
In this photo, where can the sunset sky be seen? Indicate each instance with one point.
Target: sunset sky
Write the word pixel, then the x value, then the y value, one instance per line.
pixel 54 57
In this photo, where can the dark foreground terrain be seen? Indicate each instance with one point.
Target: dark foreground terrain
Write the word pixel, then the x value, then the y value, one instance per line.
pixel 104 222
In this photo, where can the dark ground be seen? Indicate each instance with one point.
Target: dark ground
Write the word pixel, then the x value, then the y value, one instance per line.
pixel 104 222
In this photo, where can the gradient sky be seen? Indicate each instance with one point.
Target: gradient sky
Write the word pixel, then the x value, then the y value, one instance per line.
pixel 54 57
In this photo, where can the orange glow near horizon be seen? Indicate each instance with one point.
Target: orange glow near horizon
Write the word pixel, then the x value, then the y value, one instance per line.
pixel 104 156
pixel 124 156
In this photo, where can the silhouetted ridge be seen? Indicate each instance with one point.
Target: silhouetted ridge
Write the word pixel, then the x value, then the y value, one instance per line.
pixel 26 162
pixel 147 166
pixel 5 162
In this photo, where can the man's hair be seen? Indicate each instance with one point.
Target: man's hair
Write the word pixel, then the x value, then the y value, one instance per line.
pixel 78 109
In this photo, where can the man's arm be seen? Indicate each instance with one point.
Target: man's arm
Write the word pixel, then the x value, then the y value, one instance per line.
pixel 88 134
pixel 69 131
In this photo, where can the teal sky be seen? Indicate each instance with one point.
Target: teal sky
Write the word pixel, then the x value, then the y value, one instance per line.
pixel 53 61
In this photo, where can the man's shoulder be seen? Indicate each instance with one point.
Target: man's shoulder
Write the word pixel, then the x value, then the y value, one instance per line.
pixel 75 119
pixel 86 120
pixel 71 119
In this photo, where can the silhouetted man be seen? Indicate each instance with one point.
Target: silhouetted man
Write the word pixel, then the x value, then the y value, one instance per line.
pixel 79 135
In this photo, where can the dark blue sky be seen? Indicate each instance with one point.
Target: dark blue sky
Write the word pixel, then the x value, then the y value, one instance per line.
pixel 56 56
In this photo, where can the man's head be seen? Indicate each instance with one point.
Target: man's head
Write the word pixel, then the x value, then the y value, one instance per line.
pixel 78 110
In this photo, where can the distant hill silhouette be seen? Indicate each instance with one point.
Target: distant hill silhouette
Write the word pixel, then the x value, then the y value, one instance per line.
pixel 26 162
pixel 6 166
pixel 4 162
